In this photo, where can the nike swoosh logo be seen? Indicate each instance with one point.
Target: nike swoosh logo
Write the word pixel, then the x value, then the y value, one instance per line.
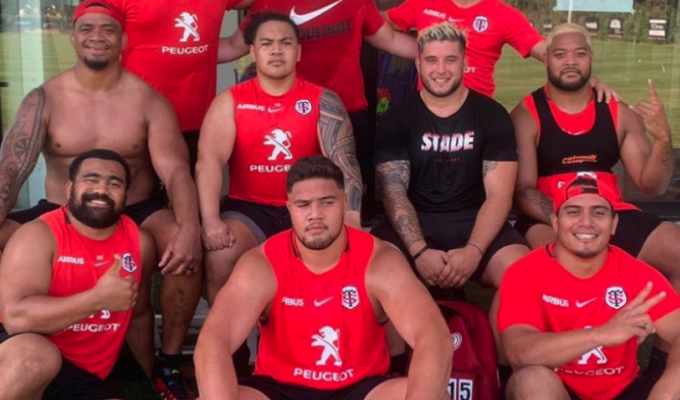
pixel 585 303
pixel 322 302
pixel 273 110
pixel 300 19
pixel 100 264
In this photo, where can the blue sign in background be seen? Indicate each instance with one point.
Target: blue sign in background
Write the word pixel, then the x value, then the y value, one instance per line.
pixel 618 6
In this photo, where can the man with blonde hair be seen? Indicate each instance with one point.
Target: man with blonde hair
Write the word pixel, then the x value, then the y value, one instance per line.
pixel 459 146
pixel 563 132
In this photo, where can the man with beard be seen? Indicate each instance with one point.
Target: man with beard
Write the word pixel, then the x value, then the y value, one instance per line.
pixel 261 128
pixel 97 104
pixel 563 132
pixel 574 312
pixel 72 288
pixel 446 160
pixel 322 292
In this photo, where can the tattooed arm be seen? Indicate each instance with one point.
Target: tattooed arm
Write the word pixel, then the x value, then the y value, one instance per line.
pixel 21 148
pixel 649 166
pixel 394 177
pixel 337 143
pixel 529 200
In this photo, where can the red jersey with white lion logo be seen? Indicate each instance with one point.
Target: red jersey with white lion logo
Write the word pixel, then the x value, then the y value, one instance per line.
pixel 539 292
pixel 94 342
pixel 322 331
pixel 272 133
pixel 172 45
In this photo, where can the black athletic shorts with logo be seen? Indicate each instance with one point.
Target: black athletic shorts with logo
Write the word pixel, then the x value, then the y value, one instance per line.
pixel 264 220
pixel 138 212
pixel 275 390
pixel 639 389
pixel 632 231
pixel 72 383
pixel 446 231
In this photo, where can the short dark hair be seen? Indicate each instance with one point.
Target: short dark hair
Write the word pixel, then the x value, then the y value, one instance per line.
pixel 314 167
pixel 100 154
pixel 258 19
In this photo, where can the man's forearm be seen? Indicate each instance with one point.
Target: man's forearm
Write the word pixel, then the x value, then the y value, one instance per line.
pixel 215 371
pixel 534 204
pixel 659 168
pixel 182 194
pixel 209 181
pixel 489 222
pixel 429 371
pixel 47 315
pixel 550 349
pixel 404 219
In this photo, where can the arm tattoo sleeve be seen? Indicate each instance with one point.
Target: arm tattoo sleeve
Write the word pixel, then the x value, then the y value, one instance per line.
pixel 337 142
pixel 394 179
pixel 488 166
pixel 21 148
pixel 537 198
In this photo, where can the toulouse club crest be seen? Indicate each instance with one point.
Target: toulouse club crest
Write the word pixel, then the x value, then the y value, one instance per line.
pixel 480 24
pixel 615 297
pixel 350 297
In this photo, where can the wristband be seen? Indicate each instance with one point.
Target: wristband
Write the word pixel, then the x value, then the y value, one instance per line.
pixel 476 247
pixel 421 252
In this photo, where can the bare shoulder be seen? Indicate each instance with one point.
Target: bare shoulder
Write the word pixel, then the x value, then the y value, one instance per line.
pixel 254 266
pixel 31 239
pixel 386 259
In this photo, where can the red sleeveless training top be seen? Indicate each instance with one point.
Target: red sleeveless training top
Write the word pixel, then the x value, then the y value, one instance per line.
pixel 93 343
pixel 272 133
pixel 322 331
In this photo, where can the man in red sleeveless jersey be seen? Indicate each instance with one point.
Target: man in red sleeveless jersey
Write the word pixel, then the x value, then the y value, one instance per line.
pixel 98 104
pixel 332 33
pixel 323 293
pixel 72 289
pixel 573 312
pixel 260 128
pixel 563 132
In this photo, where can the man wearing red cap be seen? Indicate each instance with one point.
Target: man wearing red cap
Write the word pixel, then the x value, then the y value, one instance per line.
pixel 573 313
pixel 562 132
pixel 97 104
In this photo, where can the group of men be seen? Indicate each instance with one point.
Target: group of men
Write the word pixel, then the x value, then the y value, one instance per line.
pixel 284 249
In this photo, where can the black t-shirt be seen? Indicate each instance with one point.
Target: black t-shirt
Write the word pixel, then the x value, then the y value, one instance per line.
pixel 446 154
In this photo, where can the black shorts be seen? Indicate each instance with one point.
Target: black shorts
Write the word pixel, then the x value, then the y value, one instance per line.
pixel 631 233
pixel 446 231
pixel 639 389
pixel 73 383
pixel 191 139
pixel 275 390
pixel 264 220
pixel 138 212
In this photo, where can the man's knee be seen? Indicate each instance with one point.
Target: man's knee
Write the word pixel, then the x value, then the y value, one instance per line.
pixel 30 357
pixel 501 261
pixel 535 382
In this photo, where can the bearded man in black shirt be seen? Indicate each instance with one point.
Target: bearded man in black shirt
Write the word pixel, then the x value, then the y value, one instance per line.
pixel 447 162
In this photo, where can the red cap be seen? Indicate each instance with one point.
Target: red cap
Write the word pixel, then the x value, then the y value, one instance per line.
pixel 98 7
pixel 583 185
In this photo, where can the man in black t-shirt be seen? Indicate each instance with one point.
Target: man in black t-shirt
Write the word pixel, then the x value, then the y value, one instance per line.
pixel 447 159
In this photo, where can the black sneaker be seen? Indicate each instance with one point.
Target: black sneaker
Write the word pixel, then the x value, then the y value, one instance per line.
pixel 171 385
